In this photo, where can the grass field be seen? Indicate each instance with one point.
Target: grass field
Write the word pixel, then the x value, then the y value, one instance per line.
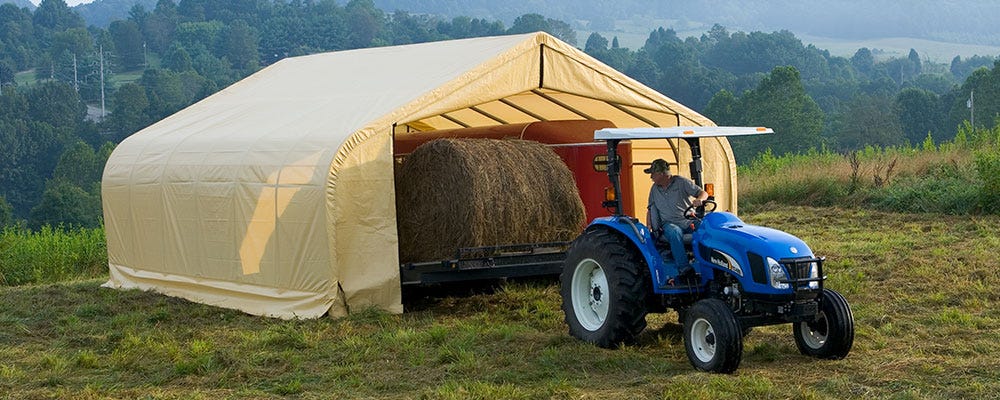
pixel 922 286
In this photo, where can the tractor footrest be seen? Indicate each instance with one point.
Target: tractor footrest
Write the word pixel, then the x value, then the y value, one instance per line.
pixel 684 281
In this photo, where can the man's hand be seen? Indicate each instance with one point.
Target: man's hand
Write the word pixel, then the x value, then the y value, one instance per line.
pixel 697 203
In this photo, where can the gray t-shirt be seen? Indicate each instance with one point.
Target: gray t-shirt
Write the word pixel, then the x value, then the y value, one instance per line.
pixel 667 205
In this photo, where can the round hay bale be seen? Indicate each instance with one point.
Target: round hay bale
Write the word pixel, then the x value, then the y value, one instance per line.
pixel 455 193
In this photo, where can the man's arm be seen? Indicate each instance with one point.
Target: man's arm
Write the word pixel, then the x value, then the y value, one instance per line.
pixel 700 198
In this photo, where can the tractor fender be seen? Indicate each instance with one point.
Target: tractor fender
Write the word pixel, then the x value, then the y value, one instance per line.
pixel 637 234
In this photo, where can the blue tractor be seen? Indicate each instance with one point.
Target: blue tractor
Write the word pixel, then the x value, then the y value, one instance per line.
pixel 744 275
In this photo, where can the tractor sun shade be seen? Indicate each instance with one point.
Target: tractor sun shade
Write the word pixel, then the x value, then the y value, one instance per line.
pixel 678 132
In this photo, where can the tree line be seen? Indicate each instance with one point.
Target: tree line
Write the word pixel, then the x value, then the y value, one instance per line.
pixel 158 61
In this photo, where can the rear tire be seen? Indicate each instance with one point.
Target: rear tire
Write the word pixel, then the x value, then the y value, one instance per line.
pixel 712 337
pixel 603 289
pixel 831 335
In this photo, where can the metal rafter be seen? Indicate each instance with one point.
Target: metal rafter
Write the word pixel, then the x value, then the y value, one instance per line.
pixel 634 114
pixel 488 115
pixel 455 120
pixel 522 109
pixel 568 107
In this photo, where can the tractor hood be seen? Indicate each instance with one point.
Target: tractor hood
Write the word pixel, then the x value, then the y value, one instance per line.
pixel 723 227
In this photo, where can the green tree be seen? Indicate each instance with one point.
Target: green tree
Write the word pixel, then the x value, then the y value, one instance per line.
pixel 76 41
pixel 723 109
pixel 407 28
pixel 936 83
pixel 159 26
pixel 18 43
pixel 55 15
pixel 595 44
pixel 205 35
pixel 56 104
pixel 986 85
pixel 164 91
pixel 919 114
pixel 13 104
pixel 863 61
pixel 465 27
pixel 962 69
pixel 65 203
pixel 916 67
pixel 869 120
pixel 30 151
pixel 780 102
pixel 528 23
pixel 643 69
pixel 6 213
pixel 128 44
pixel 365 22
pixel 239 47
pixel 78 165
pixel 177 59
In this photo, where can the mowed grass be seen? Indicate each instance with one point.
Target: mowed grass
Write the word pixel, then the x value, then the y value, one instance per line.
pixel 923 288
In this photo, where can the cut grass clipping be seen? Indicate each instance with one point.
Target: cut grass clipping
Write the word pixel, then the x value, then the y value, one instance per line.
pixel 455 193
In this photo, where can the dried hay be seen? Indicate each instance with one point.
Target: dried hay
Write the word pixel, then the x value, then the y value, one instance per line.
pixel 455 193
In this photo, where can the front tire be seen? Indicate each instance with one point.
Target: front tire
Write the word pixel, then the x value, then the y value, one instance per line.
pixel 603 289
pixel 831 335
pixel 712 337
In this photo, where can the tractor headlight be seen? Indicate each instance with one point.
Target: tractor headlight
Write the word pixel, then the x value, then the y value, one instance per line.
pixel 777 273
pixel 813 273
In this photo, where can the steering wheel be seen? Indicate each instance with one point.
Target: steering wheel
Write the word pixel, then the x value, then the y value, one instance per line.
pixel 689 212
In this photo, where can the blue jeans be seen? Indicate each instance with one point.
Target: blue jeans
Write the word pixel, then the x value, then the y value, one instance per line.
pixel 673 236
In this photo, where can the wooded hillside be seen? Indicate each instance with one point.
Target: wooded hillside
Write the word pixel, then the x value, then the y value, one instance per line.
pixel 160 60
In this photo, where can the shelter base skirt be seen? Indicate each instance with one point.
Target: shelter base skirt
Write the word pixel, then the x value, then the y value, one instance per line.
pixel 251 299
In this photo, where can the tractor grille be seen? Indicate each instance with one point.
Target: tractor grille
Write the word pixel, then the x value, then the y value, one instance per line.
pixel 799 272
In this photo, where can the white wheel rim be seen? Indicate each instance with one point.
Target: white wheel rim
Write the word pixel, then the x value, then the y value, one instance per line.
pixel 703 340
pixel 590 292
pixel 813 338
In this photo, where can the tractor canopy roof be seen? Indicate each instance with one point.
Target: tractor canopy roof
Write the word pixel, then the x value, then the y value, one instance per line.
pixel 678 132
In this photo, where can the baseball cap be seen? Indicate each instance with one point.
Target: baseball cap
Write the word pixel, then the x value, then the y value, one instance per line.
pixel 659 165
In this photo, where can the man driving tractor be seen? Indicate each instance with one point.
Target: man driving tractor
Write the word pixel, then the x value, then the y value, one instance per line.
pixel 669 197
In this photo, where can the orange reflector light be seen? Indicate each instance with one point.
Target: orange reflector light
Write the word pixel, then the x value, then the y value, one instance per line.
pixel 710 189
pixel 688 132
pixel 761 129
pixel 609 194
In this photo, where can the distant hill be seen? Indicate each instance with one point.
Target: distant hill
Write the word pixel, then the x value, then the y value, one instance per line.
pixel 102 12
pixel 955 21
pixel 20 3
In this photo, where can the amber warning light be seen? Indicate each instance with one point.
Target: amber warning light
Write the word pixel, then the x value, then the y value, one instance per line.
pixel 710 189
pixel 609 194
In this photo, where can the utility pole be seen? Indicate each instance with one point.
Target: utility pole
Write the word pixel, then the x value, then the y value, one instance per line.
pixel 76 83
pixel 972 108
pixel 102 83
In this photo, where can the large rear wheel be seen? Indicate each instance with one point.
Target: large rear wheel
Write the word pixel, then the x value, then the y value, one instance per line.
pixel 831 334
pixel 603 289
pixel 712 337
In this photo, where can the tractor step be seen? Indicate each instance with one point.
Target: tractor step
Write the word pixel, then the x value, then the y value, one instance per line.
pixel 683 281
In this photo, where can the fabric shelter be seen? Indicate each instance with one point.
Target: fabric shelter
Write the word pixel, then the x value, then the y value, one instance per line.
pixel 275 195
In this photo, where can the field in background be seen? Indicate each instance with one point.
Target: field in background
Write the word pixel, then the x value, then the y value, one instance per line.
pixel 957 177
pixel 633 35
pixel 922 287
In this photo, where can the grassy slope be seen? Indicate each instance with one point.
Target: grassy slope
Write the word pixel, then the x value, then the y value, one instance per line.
pixel 922 288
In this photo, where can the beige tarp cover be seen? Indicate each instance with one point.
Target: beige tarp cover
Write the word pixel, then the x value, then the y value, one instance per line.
pixel 275 195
